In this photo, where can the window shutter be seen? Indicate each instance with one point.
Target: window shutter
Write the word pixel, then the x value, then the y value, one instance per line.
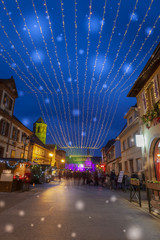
pixel 1 122
pixel 144 102
pixel 156 88
pixel 7 129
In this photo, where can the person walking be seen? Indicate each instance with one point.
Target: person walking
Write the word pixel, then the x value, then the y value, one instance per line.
pixel 112 179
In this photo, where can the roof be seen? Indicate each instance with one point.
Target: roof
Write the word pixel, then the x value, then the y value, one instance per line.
pixel 10 84
pixel 35 139
pixel 109 144
pixel 146 73
pixel 40 120
pixel 17 120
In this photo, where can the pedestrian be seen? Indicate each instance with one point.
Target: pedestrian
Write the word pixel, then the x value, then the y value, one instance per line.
pixel 60 175
pixel 96 183
pixel 112 179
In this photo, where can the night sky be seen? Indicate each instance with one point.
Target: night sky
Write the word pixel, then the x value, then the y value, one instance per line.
pixel 74 63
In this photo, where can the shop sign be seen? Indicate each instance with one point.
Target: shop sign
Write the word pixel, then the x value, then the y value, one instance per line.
pixel 120 177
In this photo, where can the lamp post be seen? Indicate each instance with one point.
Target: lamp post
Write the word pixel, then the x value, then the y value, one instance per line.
pixel 25 140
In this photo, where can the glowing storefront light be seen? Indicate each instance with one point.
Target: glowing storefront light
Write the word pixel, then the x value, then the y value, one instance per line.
pixel 139 141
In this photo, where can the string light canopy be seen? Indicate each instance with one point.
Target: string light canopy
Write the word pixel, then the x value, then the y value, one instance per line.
pixel 77 61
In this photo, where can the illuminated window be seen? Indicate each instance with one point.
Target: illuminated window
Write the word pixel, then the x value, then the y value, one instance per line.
pixel 157 160
pixel 13 154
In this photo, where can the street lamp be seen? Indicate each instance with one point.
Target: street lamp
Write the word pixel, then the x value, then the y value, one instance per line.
pixel 25 140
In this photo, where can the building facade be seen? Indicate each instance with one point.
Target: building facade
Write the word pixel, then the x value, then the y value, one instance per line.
pixel 147 91
pixel 111 155
pixel 131 155
pixel 13 134
pixel 16 140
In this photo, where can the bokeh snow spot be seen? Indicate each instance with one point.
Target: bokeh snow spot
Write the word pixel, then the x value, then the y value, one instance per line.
pixel 59 225
pixel 113 199
pixel 73 234
pixel 2 204
pixel 107 201
pixel 80 205
pixel 42 219
pixel 21 213
pixel 32 225
pixel 9 228
pixel 134 233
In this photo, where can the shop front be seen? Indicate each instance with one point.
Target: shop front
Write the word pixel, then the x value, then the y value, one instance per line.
pixel 156 158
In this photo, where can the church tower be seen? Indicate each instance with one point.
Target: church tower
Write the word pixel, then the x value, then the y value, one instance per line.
pixel 40 130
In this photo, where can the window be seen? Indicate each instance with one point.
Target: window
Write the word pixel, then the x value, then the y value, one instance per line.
pixel 135 114
pixel 15 134
pixel 22 155
pixel 38 130
pixel 131 166
pixel 23 135
pixel 129 141
pixel 4 127
pixel 139 164
pixel 7 102
pixel 152 95
pixel 126 166
pixel 13 154
pixel 124 145
pixel 130 120
pixel 120 166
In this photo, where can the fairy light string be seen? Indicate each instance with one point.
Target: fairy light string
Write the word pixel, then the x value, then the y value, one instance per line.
pixel 77 64
pixel 86 66
pixel 106 54
pixel 28 30
pixel 69 70
pixel 120 45
pixel 140 26
pixel 55 75
pixel 95 64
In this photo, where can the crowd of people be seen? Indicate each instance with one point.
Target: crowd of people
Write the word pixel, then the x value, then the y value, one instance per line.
pixel 97 178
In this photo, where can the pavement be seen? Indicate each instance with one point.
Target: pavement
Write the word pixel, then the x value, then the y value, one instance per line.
pixel 63 211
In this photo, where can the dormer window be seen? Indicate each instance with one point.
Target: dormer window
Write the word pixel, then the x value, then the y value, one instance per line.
pixel 7 102
pixel 130 120
pixel 151 91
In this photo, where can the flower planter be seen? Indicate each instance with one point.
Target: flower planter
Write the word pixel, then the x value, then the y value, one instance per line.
pixel 154 186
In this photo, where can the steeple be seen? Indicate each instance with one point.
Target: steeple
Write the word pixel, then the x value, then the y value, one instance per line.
pixel 40 129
